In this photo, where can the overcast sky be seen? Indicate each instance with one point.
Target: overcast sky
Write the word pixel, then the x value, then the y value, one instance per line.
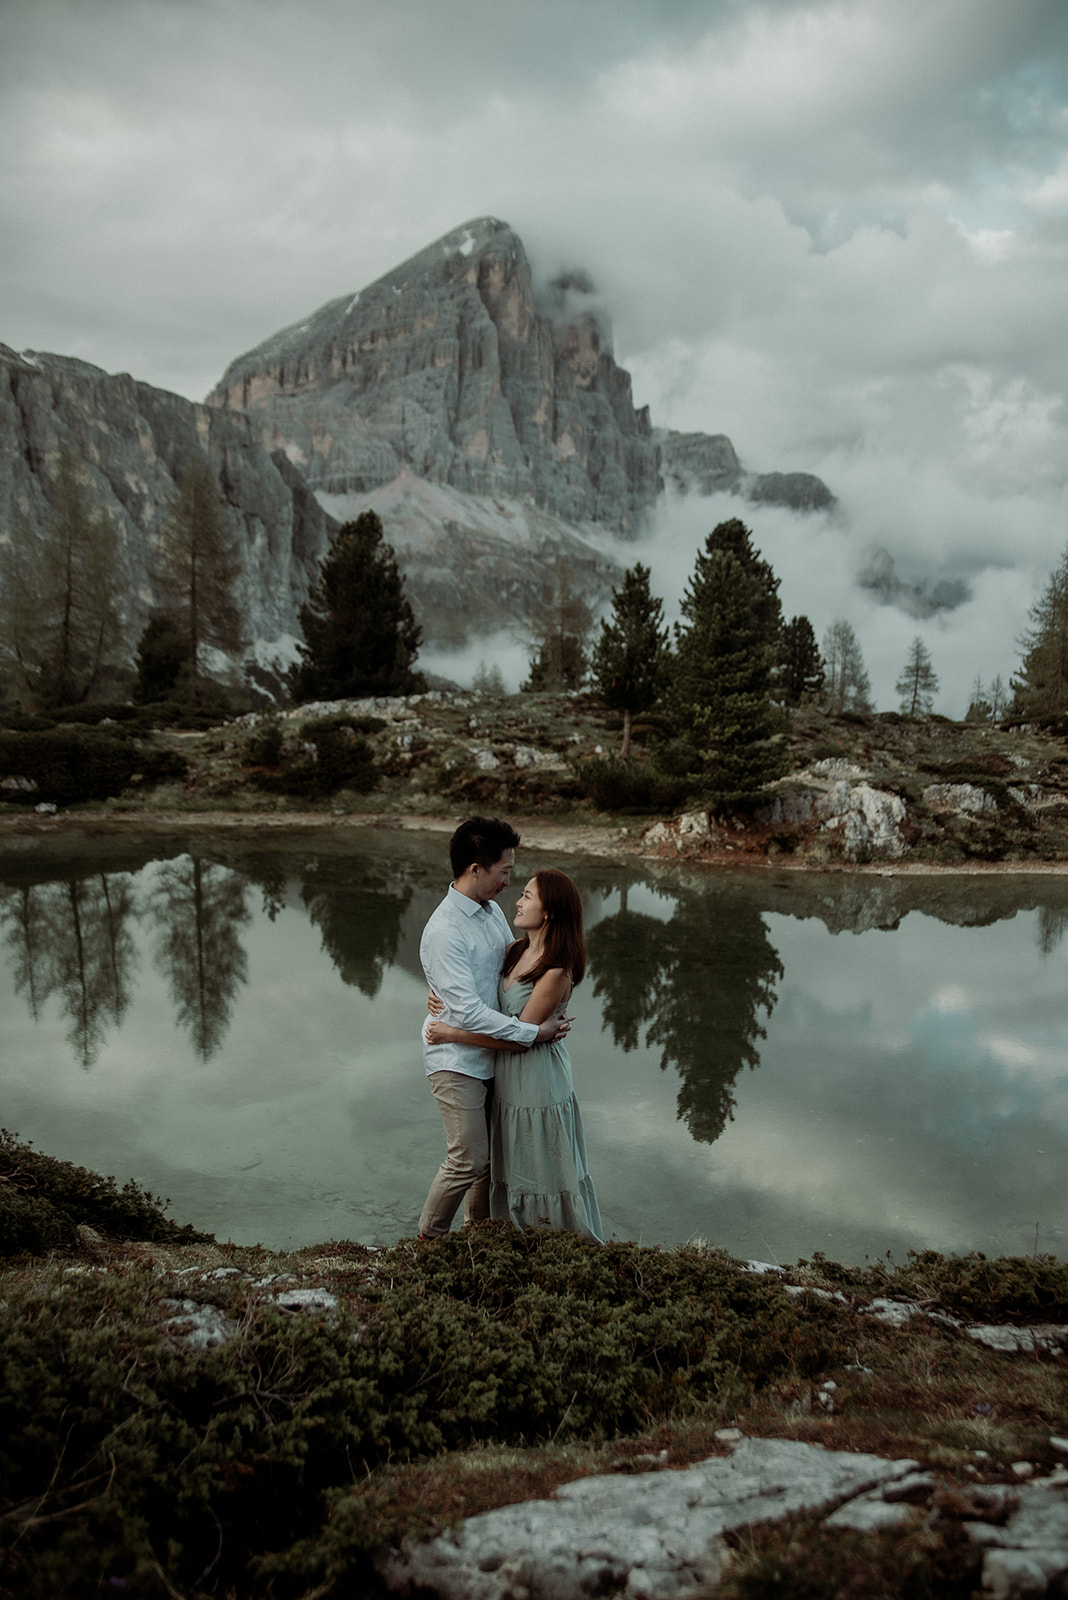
pixel 834 231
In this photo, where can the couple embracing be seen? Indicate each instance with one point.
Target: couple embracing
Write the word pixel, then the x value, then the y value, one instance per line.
pixel 494 1053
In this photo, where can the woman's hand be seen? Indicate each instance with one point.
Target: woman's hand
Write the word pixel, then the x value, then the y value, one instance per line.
pixel 435 1005
pixel 435 1032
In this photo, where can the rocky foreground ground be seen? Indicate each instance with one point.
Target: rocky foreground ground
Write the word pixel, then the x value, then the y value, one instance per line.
pixel 496 1415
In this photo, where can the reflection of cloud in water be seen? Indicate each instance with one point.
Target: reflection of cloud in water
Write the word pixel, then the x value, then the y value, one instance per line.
pixel 909 1091
pixel 953 997
pixel 1022 1058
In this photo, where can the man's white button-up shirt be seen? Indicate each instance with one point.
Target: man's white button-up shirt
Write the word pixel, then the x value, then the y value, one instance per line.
pixel 462 952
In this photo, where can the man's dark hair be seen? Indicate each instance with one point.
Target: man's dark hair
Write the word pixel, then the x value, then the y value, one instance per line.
pixel 480 839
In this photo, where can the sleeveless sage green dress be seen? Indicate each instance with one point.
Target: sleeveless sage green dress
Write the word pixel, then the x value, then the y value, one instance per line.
pixel 539 1176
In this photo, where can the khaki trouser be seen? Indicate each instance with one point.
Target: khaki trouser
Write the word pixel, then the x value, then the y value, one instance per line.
pixel 464 1174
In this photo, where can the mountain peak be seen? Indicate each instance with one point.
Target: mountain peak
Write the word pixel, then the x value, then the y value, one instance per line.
pixel 450 365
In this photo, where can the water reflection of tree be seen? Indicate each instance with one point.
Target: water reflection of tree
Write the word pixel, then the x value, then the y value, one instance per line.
pixel 72 938
pixel 699 983
pixel 1052 923
pixel 360 921
pixel 199 907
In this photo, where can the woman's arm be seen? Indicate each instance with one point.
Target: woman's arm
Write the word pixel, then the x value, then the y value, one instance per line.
pixel 549 995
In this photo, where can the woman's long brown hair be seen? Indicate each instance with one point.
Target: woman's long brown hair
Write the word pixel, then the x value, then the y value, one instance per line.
pixel 565 940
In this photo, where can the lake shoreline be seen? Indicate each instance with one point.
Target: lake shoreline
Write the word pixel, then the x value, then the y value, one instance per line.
pixel 608 840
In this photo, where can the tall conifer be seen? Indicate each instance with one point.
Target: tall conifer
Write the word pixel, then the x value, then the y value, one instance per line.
pixel 198 569
pixel 360 633
pixel 1041 687
pixel 629 666
pixel 725 656
pixel 60 622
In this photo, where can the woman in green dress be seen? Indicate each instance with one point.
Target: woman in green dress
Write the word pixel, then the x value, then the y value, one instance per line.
pixel 539 1175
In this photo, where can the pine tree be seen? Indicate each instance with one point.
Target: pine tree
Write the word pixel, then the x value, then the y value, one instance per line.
pixel 629 665
pixel 1041 688
pixel 60 624
pixel 488 679
pixel 918 682
pixel 161 656
pixel 360 633
pixel 198 570
pixel 559 628
pixel 801 669
pixel 979 707
pixel 846 687
pixel 725 654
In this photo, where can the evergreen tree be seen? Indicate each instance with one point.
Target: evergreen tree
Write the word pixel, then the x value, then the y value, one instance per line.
pixel 801 669
pixel 199 569
pixel 629 666
pixel 918 681
pixel 559 628
pixel 60 624
pixel 1041 688
pixel 726 651
pixel 979 707
pixel 360 633
pixel 162 653
pixel 846 687
pixel 488 679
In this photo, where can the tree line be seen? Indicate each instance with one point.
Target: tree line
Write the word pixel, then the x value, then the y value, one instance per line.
pixel 719 681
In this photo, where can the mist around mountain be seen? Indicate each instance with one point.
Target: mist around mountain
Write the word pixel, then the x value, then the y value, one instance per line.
pixel 481 414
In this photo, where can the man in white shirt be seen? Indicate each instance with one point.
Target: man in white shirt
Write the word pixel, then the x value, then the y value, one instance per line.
pixel 462 952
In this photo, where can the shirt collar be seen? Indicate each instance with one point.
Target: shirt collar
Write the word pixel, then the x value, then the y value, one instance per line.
pixel 464 902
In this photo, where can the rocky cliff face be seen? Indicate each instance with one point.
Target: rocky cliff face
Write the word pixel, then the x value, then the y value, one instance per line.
pixel 133 440
pixel 484 419
pixel 455 367
pixel 451 367
pixel 706 463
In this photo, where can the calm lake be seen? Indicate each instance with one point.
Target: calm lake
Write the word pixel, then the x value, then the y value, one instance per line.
pixel 775 1062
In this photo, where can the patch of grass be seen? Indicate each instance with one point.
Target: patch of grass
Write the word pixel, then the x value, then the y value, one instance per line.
pixel 796 1559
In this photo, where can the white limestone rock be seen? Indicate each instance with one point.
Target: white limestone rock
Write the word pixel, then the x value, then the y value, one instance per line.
pixel 967 797
pixel 866 820
pixel 649 1535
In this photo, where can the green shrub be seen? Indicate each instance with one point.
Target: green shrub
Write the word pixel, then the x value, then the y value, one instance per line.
pixel 263 745
pixel 67 765
pixel 136 1460
pixel 1018 1289
pixel 25 721
pixel 343 760
pixel 340 720
pixel 43 1201
pixel 93 715
pixel 615 785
